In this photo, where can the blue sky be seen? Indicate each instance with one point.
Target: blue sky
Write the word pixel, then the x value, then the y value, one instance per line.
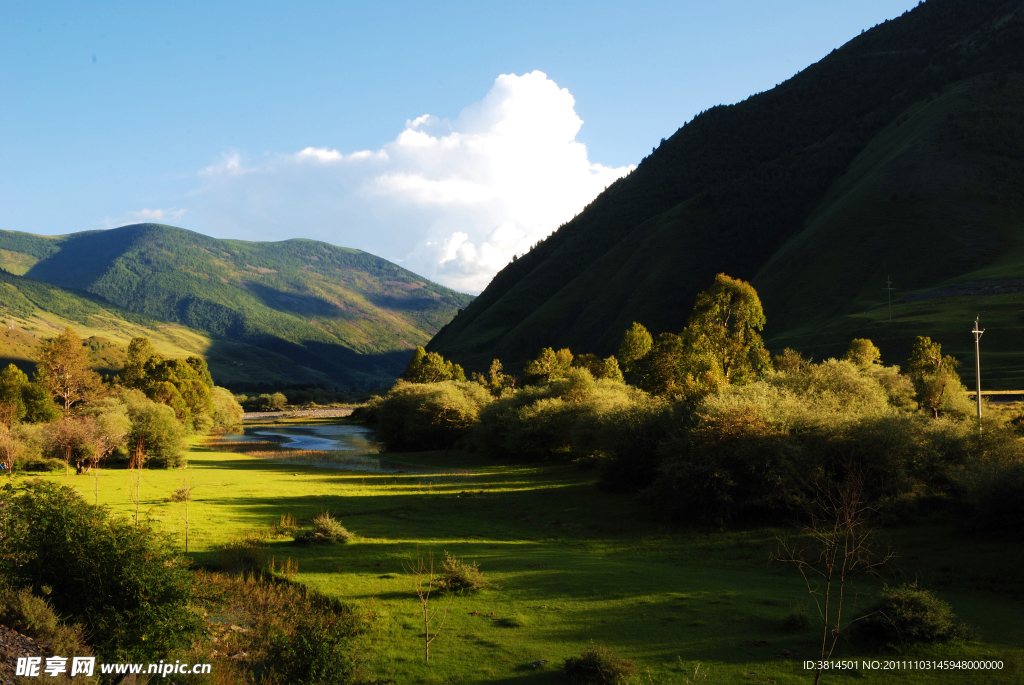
pixel 241 119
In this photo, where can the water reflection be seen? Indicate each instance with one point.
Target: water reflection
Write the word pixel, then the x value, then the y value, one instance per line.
pixel 337 446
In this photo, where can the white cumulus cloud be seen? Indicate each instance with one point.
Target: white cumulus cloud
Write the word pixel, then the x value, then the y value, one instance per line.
pixel 452 200
pixel 157 214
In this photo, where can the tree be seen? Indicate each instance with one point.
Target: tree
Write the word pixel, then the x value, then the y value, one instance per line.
pixel 598 368
pixel 790 361
pixel 934 375
pixel 725 325
pixel 63 369
pixel 658 370
pixel 496 379
pixel 71 436
pixel 109 430
pixel 140 351
pixel 548 366
pixel 635 345
pixel 863 353
pixel 12 384
pixel 227 413
pixel 839 544
pixel 430 367
pixel 423 575
pixel 156 425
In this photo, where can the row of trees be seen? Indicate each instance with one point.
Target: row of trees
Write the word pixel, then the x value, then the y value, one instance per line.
pixel 710 425
pixel 68 412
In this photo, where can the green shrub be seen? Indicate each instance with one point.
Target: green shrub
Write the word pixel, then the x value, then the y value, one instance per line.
pixel 598 666
pixel 904 616
pixel 316 649
pixel 293 634
pixel 797 621
pixel 995 496
pixel 39 464
pixel 326 529
pixel 227 412
pixel 565 416
pixel 244 551
pixel 125 585
pixel 459 576
pixel 33 616
pixel 158 427
pixel 416 416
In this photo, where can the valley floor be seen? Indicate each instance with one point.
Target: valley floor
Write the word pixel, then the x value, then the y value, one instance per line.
pixel 571 566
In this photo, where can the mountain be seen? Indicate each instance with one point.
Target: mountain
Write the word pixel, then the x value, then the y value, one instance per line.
pixel 296 311
pixel 899 155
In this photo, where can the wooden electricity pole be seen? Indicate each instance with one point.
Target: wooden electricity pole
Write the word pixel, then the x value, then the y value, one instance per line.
pixel 888 289
pixel 977 363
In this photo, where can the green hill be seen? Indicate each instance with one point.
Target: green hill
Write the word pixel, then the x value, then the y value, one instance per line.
pixel 900 153
pixel 292 311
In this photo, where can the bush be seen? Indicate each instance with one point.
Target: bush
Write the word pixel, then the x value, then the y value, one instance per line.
pixel 33 616
pixel 158 428
pixel 565 416
pixel 182 494
pixel 417 416
pixel 125 585
pixel 244 552
pixel 598 666
pixel 797 621
pixel 293 635
pixel 227 413
pixel 995 496
pixel 905 616
pixel 458 575
pixel 369 411
pixel 326 529
pixel 39 464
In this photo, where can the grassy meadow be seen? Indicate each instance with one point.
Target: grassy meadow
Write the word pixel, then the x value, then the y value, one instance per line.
pixel 570 566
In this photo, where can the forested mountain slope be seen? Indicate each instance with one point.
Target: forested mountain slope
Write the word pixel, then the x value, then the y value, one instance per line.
pixel 310 311
pixel 900 153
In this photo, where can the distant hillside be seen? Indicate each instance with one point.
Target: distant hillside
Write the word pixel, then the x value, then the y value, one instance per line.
pixel 900 153
pixel 304 311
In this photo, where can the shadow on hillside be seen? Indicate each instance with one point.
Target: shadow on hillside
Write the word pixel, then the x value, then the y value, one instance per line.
pixel 407 303
pixel 300 304
pixel 278 362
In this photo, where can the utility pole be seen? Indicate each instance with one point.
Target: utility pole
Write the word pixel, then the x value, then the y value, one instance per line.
pixel 977 363
pixel 888 288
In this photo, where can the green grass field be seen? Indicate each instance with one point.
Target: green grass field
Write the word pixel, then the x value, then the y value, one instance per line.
pixel 571 565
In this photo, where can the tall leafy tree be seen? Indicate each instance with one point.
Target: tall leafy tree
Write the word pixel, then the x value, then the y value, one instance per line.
pixel 548 365
pixel 636 343
pixel 184 385
pixel 934 375
pixel 63 369
pixel 725 325
pixel 863 353
pixel 430 367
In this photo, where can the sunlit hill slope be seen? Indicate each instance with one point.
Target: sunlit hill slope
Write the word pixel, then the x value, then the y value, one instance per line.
pixel 296 311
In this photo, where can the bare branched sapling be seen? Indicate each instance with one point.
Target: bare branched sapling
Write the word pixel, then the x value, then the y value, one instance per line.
pixel 183 496
pixel 135 465
pixel 423 576
pixel 836 543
